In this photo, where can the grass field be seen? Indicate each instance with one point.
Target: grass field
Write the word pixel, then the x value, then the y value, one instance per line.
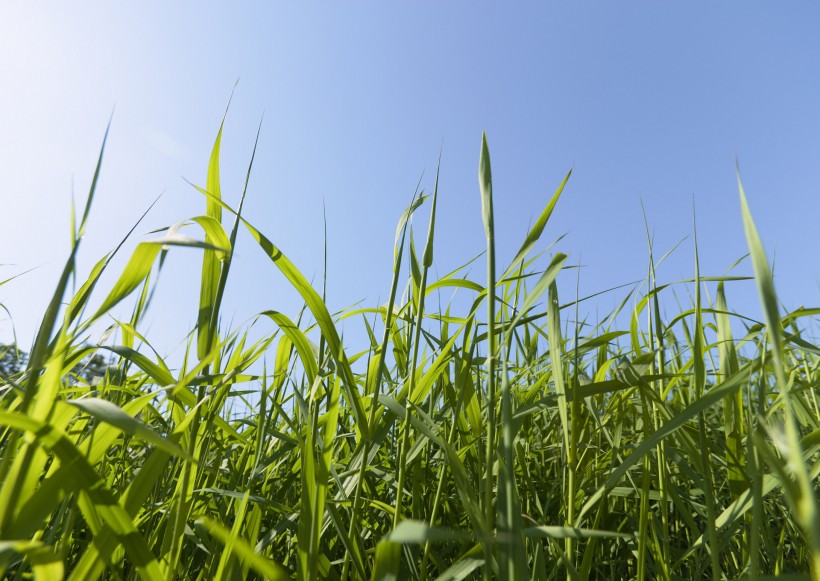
pixel 505 439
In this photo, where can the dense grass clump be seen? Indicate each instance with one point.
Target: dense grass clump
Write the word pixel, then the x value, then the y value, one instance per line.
pixel 501 439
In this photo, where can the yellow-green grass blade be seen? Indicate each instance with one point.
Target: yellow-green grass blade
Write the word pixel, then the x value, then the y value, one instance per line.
pixel 804 500
pixel 226 560
pixel 83 477
pixel 765 285
pixel 732 408
pixel 113 415
pixel 231 241
pixel 46 565
pixel 158 371
pixel 80 300
pixel 543 283
pixel 537 229
pixel 211 264
pixel 556 355
pixel 320 312
pixel 303 345
pixel 135 271
pixel 263 566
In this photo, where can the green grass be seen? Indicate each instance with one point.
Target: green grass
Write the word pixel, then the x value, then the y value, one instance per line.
pixel 505 439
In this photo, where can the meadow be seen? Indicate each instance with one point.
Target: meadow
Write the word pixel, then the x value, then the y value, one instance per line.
pixel 509 438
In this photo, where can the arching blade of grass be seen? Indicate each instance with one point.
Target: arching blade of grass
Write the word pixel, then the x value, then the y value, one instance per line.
pixel 113 415
pixel 804 500
pixel 535 293
pixel 555 532
pixel 80 300
pixel 320 312
pixel 299 340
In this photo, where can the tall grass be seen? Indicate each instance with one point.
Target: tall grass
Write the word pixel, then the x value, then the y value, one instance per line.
pixel 505 440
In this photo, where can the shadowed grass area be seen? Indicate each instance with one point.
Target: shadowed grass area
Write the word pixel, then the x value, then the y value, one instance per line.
pixel 498 436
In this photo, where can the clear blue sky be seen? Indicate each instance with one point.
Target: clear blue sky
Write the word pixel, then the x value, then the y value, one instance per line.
pixel 647 100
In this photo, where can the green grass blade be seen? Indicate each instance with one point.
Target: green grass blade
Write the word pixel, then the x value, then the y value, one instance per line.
pixel 265 567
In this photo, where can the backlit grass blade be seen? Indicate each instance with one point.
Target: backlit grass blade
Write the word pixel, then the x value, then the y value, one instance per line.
pixel 805 500
pixel 323 319
pixel 537 229
pixel 299 340
pixel 211 266
pixel 80 300
pixel 138 267
pixel 113 415
pixel 84 478
pixel 230 243
pixel 556 354
pixel 265 567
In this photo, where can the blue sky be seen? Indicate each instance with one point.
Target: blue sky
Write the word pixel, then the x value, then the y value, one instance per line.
pixel 648 101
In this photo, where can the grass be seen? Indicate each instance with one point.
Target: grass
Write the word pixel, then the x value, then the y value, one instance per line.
pixel 507 439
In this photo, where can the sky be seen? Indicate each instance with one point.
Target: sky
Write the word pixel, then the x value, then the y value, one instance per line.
pixel 651 104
